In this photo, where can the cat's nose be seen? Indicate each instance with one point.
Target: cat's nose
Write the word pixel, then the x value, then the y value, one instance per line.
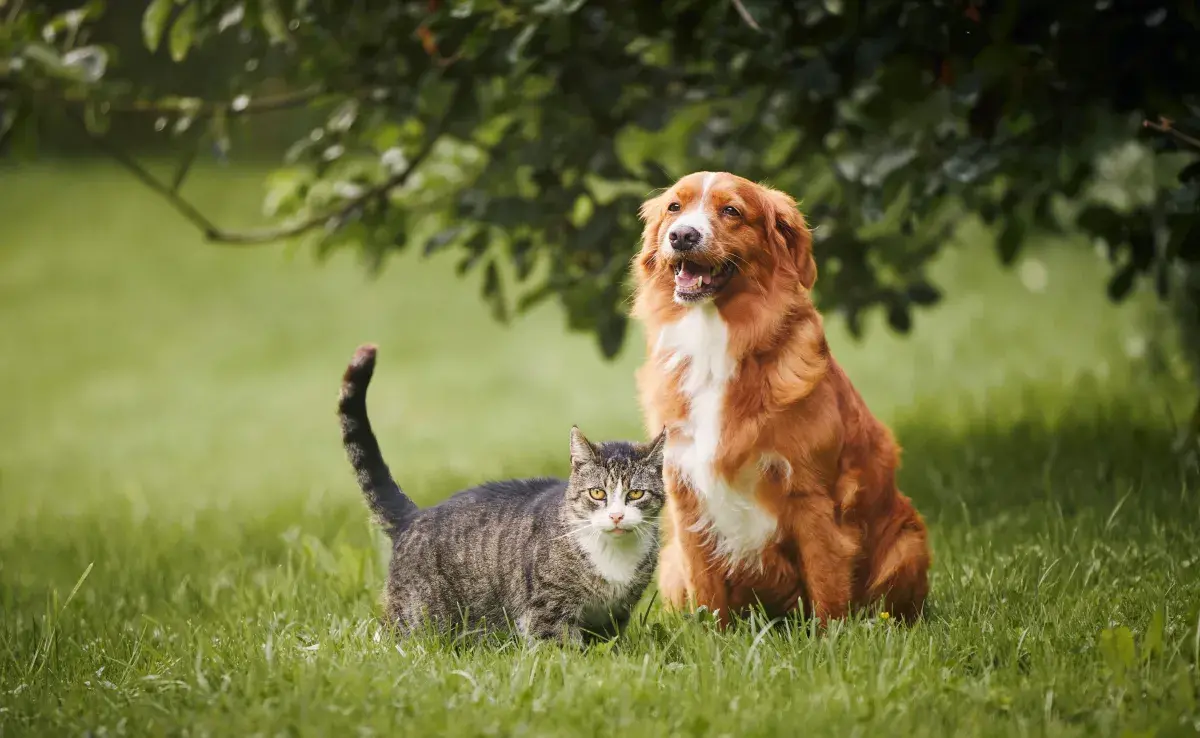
pixel 616 518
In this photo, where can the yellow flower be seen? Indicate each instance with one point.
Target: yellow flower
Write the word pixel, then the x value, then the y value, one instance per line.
pixel 884 615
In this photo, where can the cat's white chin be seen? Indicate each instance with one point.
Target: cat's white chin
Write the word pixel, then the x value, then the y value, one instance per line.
pixel 617 558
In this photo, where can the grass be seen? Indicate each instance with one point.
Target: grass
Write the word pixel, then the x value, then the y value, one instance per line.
pixel 183 550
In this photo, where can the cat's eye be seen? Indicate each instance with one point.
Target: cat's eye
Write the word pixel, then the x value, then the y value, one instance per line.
pixel 635 494
pixel 597 494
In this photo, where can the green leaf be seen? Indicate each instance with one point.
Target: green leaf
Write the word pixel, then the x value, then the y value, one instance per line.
pixel 610 331
pixel 1126 650
pixel 273 22
pixel 95 119
pixel 1152 644
pixel 283 190
pixel 1117 649
pixel 922 293
pixel 520 42
pixel 476 247
pixel 534 297
pixel 1104 222
pixel 386 136
pixel 154 21
pixel 1010 240
pixel 1122 282
pixel 522 257
pixel 47 57
pixel 1185 694
pixel 493 292
pixel 183 31
pixel 899 316
pixel 442 238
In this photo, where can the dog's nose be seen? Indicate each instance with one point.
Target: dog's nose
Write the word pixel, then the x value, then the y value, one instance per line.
pixel 616 518
pixel 684 238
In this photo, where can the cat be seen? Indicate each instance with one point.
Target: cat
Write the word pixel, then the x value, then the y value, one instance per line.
pixel 548 558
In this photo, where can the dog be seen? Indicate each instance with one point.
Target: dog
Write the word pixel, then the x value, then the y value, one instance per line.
pixel 781 485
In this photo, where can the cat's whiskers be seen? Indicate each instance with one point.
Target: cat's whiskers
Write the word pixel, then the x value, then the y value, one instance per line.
pixel 575 531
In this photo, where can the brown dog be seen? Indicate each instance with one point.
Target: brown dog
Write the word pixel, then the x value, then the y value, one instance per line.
pixel 781 484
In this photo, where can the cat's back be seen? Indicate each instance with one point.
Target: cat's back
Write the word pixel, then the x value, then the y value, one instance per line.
pixel 508 494
pixel 507 503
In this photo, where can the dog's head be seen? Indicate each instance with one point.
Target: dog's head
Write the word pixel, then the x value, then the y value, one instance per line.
pixel 714 235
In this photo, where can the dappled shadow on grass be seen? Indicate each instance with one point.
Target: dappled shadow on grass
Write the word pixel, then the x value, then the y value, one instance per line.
pixel 1078 463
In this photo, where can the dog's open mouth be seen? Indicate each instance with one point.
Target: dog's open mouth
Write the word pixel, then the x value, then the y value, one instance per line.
pixel 695 282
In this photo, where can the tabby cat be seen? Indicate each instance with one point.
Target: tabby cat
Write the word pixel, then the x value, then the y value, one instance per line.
pixel 550 558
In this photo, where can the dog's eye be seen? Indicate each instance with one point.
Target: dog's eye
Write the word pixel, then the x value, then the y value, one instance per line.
pixel 673 207
pixel 731 211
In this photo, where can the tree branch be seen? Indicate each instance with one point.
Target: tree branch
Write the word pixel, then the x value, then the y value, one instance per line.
pixel 746 17
pixel 216 234
pixel 1167 126
pixel 202 108
pixel 253 106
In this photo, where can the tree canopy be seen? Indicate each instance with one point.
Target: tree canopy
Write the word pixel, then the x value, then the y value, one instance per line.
pixel 521 135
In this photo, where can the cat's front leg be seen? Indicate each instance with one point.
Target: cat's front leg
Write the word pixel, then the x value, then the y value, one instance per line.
pixel 537 625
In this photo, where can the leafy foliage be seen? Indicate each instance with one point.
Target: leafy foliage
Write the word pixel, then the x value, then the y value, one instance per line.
pixel 522 134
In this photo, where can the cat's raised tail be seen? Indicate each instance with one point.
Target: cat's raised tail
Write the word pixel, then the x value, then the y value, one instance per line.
pixel 387 501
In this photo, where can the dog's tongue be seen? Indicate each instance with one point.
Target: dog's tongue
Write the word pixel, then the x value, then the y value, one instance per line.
pixel 691 275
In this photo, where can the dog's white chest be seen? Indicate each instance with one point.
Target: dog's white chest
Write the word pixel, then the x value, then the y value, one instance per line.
pixel 739 526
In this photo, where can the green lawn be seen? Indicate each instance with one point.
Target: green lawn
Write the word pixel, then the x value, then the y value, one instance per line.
pixel 169 456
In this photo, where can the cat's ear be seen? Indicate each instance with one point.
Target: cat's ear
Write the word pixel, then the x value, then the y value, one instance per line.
pixel 653 451
pixel 582 450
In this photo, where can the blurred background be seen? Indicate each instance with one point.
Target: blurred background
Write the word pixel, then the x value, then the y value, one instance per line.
pixel 206 205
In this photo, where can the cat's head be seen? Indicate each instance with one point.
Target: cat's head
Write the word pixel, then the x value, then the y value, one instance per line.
pixel 616 488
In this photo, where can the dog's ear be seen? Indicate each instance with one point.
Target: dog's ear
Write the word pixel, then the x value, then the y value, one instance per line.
pixel 790 232
pixel 651 214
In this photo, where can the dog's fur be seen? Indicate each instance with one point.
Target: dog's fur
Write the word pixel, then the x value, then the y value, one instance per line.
pixel 781 484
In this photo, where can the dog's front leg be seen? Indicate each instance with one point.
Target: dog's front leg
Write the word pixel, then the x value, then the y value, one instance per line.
pixel 689 557
pixel 673 578
pixel 828 556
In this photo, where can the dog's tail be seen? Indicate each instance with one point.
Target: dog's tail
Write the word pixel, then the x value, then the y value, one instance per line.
pixel 387 501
